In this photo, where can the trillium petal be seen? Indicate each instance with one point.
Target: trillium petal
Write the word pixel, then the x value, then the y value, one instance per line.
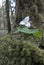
pixel 22 23
pixel 28 25
pixel 26 19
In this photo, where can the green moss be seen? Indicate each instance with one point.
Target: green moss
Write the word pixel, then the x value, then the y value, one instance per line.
pixel 15 50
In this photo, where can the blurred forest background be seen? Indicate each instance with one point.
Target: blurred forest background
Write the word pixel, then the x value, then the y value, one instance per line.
pixel 35 9
pixel 3 15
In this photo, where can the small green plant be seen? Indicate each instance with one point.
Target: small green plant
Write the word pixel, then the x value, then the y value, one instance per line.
pixel 26 22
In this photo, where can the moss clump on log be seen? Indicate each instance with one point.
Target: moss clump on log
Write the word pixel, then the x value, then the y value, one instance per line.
pixel 16 50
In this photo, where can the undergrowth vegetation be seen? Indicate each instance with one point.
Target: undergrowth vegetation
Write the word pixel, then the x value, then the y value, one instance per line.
pixel 17 49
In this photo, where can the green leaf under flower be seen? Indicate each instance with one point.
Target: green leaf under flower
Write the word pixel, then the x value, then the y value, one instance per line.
pixel 35 32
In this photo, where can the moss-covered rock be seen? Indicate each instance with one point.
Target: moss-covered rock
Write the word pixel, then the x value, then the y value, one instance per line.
pixel 15 49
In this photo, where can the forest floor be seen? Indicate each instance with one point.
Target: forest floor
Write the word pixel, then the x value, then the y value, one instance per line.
pixel 3 33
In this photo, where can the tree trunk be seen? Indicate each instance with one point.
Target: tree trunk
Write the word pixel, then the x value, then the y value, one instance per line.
pixel 31 8
pixel 8 18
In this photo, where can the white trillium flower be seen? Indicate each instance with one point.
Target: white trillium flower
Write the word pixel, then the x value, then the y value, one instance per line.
pixel 26 22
